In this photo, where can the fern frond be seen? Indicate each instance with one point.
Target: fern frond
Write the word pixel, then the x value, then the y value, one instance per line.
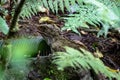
pixel 31 6
pixel 74 58
pixel 86 14
pixel 61 4
pixel 93 12
pixel 51 6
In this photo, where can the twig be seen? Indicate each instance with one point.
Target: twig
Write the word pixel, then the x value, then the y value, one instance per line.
pixel 16 16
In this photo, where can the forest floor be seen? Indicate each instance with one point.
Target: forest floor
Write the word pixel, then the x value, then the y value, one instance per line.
pixel 109 47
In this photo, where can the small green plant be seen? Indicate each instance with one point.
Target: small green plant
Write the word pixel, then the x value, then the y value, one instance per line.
pixel 47 79
pixel 15 52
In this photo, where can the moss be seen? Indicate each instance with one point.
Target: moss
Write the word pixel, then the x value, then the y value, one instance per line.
pixel 46 69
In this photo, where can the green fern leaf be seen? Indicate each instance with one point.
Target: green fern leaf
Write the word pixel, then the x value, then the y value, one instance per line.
pixel 74 58
pixel 55 3
pixel 61 4
pixel 79 1
pixel 94 12
pixel 45 3
pixel 50 2
pixel 104 30
pixel 3 26
pixel 31 7
pixel 72 2
pixel 67 4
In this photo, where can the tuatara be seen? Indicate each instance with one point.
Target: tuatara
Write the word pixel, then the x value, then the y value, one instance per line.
pixel 54 37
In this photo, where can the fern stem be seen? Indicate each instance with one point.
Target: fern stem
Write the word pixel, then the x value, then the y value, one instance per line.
pixel 16 16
